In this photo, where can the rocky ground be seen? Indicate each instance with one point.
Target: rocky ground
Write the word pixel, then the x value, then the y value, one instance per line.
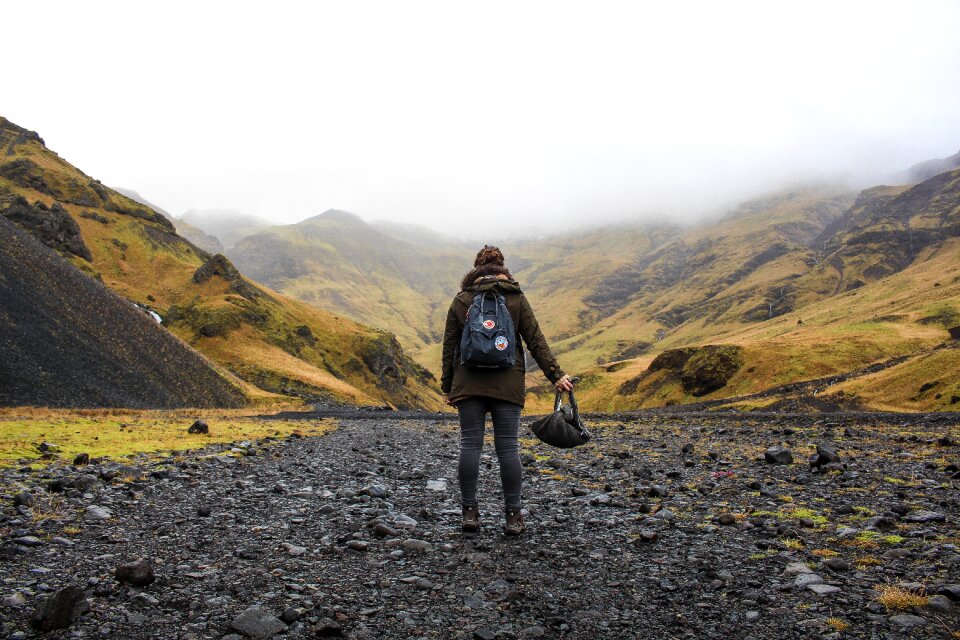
pixel 667 525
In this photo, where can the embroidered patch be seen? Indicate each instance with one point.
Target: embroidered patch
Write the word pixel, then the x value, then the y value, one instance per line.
pixel 489 324
pixel 500 343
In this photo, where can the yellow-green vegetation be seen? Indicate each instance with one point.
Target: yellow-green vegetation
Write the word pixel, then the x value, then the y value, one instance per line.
pixel 277 345
pixel 897 598
pixel 794 544
pixel 838 624
pixel 116 434
pixel 810 514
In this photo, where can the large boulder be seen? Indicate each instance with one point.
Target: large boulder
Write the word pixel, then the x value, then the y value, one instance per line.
pixel 60 610
pixel 710 368
pixel 53 226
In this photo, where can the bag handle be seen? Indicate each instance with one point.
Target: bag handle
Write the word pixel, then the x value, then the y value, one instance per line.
pixel 558 403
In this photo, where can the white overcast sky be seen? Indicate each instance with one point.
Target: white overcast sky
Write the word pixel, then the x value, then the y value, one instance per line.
pixel 466 115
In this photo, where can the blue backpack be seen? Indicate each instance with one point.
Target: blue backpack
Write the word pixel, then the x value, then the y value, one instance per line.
pixel 488 335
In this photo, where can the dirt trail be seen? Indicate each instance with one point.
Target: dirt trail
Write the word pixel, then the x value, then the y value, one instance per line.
pixel 666 526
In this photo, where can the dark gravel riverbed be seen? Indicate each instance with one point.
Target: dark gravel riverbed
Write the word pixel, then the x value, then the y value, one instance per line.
pixel 665 526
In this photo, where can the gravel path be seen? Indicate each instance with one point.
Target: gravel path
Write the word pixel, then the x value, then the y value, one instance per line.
pixel 666 526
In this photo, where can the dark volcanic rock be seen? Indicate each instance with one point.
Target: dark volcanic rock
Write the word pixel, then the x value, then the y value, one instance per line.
pixel 138 573
pixel 53 226
pixel 60 610
pixel 825 455
pixel 257 623
pixel 778 455
pixel 25 499
pixel 199 427
pixel 69 341
pixel 710 368
pixel 327 557
pixel 219 265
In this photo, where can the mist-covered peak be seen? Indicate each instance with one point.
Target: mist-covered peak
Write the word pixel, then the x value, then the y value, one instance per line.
pixel 337 215
pixel 926 170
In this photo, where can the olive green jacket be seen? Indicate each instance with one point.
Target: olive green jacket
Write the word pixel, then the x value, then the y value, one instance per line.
pixel 503 384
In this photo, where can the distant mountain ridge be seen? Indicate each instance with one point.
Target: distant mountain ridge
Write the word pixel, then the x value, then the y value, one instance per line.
pixel 194 234
pixel 767 278
pixel 338 261
pixel 226 225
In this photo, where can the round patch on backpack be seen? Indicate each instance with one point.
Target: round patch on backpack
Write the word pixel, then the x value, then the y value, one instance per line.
pixel 500 343
pixel 489 324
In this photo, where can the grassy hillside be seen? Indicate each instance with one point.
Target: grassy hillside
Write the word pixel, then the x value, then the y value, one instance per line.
pixel 194 234
pixel 380 277
pixel 800 285
pixel 648 290
pixel 902 302
pixel 277 345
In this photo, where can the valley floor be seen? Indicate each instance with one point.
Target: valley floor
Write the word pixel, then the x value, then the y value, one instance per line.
pixel 356 532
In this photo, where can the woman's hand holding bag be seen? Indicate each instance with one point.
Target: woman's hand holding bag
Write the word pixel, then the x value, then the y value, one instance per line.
pixel 563 428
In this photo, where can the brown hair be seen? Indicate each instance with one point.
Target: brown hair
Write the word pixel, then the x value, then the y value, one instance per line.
pixel 489 262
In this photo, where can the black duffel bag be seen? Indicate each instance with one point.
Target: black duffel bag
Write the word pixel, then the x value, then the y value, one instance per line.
pixel 563 428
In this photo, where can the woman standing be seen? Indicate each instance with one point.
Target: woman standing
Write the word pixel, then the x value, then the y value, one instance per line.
pixel 499 392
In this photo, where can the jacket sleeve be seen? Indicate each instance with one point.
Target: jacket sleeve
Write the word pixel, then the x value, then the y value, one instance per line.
pixel 451 341
pixel 536 343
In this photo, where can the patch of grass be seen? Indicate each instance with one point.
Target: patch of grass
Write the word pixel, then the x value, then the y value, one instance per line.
pixel 803 512
pixel 794 544
pixel 865 562
pixel 825 553
pixel 896 598
pixel 145 432
pixel 838 624
pixel 892 539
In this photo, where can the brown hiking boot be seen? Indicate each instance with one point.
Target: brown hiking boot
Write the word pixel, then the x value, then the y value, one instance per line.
pixel 515 524
pixel 471 519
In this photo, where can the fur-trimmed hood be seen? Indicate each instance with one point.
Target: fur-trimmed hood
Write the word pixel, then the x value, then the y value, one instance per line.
pixel 491 271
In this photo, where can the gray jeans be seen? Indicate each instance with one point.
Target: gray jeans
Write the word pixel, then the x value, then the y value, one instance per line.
pixel 506 422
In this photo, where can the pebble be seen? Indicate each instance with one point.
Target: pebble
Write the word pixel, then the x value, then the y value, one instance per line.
pixel 413 544
pixel 778 455
pixel 328 628
pixel 727 519
pixel 257 623
pixel 796 568
pixel 805 579
pixel 404 522
pixel 822 589
pixel 138 573
pixel 29 541
pixel 293 549
pixel 907 620
pixel 925 516
pixel 940 604
pixel 14 601
pixel 96 513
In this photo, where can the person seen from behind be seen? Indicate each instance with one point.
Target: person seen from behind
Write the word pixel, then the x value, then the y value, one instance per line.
pixel 475 392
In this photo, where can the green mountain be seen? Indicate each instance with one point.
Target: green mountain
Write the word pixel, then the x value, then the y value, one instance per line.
pixel 277 346
pixel 373 274
pixel 784 288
